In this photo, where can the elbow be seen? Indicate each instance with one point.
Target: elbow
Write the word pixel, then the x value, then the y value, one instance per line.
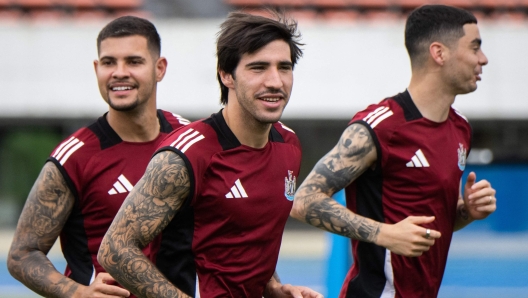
pixel 11 266
pixel 103 253
pixel 14 263
pixel 297 211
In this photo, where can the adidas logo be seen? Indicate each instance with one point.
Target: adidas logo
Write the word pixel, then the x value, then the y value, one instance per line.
pixel 122 185
pixel 237 191
pixel 418 160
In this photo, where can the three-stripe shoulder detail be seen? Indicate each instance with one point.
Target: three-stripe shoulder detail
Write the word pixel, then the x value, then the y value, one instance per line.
pixel 286 127
pixel 187 139
pixel 181 120
pixel 66 149
pixel 375 117
pixel 460 114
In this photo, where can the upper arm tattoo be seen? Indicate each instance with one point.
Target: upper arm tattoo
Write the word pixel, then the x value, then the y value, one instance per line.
pixel 352 156
pixel 147 210
pixel 47 208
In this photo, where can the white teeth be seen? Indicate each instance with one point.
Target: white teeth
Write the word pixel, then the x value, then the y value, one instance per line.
pixel 121 88
pixel 273 99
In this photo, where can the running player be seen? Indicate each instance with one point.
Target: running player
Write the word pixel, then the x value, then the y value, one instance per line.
pixel 401 162
pixel 88 175
pixel 228 180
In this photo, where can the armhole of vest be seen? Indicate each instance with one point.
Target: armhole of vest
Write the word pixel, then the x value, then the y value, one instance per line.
pixel 165 125
pixel 376 143
pixel 188 200
pixel 66 177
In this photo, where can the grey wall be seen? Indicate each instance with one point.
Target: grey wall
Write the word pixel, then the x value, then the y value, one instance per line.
pixel 46 70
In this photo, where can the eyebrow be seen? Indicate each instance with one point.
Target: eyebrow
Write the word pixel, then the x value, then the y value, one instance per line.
pixel 264 63
pixel 126 58
pixel 477 41
pixel 257 63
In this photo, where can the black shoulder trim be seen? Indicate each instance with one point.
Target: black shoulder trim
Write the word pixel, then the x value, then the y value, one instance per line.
pixel 174 258
pixel 410 110
pixel 104 132
pixel 66 177
pixel 165 126
pixel 376 142
pixel 76 252
pixel 226 137
pixel 189 168
pixel 275 136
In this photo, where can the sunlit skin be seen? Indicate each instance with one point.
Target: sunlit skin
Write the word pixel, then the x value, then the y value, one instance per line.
pixel 464 68
pixel 127 72
pixel 259 90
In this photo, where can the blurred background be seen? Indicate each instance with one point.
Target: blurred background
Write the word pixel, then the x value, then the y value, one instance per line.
pixel 354 55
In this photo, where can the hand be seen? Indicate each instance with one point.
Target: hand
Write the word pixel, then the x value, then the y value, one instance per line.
pixel 101 288
pixel 407 237
pixel 479 197
pixel 288 290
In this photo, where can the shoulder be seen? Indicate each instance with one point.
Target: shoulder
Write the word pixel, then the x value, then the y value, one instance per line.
pixel 77 146
pixel 282 133
pixel 460 120
pixel 382 115
pixel 171 121
pixel 185 137
pixel 456 115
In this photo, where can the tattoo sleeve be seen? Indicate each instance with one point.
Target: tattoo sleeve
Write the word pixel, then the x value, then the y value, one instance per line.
pixel 47 208
pixel 353 155
pixel 147 210
pixel 462 215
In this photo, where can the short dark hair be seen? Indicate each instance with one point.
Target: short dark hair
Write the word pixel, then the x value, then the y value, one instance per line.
pixel 430 23
pixel 243 33
pixel 128 26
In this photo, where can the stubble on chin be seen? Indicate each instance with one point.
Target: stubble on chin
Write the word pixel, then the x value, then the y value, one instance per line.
pixel 122 108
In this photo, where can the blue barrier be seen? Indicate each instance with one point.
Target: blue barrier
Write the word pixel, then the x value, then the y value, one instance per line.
pixel 511 184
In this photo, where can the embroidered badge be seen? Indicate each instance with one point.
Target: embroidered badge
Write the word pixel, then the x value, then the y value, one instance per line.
pixel 462 152
pixel 289 186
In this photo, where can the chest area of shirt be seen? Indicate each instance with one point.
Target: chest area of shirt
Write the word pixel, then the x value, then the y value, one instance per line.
pixel 427 157
pixel 253 181
pixel 109 180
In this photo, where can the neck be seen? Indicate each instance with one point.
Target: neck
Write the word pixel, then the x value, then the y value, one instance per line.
pixel 431 96
pixel 132 126
pixel 247 129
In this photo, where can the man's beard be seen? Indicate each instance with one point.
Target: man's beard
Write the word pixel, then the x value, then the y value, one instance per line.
pixel 126 108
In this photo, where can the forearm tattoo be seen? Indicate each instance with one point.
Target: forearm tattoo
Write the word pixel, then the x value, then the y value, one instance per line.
pixel 462 212
pixel 145 213
pixel 47 208
pixel 352 156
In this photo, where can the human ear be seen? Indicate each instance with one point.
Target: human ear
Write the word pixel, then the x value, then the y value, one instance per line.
pixel 227 79
pixel 161 68
pixel 438 52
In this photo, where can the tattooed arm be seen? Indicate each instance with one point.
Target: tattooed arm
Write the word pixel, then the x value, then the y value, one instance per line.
pixel 46 210
pixel 147 210
pixel 352 156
